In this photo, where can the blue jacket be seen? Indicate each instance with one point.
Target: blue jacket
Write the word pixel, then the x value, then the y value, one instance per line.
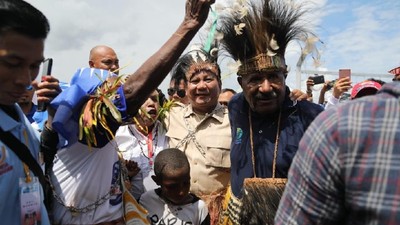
pixel 295 118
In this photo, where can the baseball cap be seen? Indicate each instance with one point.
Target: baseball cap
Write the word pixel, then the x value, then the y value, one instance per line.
pixel 365 88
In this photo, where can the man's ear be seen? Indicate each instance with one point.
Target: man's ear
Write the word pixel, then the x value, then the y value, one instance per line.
pixel 239 80
pixel 156 179
pixel 91 64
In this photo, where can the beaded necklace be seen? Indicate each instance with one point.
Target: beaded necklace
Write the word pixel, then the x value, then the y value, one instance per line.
pixel 275 146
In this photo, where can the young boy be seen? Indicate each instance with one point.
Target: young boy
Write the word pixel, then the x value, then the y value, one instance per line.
pixel 172 203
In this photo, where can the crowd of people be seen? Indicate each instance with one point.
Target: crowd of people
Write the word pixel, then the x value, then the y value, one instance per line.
pixel 203 154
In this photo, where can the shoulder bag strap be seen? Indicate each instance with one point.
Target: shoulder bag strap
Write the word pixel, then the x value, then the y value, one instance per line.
pixel 23 154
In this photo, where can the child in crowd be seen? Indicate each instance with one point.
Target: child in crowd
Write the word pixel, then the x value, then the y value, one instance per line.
pixel 172 203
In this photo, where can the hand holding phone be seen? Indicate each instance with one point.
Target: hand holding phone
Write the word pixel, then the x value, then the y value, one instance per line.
pixel 46 70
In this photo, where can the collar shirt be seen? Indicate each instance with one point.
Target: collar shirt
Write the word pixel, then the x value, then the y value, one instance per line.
pixel 347 168
pixel 295 118
pixel 11 168
pixel 206 142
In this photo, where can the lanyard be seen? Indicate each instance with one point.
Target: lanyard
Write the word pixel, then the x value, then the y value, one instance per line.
pixel 149 143
pixel 28 178
pixel 150 151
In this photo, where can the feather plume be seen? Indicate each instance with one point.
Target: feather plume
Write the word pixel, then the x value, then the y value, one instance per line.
pixel 269 27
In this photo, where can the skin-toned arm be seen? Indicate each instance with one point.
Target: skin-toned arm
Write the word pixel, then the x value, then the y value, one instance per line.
pixel 324 88
pixel 142 82
pixel 310 84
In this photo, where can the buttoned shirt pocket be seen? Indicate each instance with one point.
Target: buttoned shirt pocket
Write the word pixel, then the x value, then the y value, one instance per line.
pixel 218 152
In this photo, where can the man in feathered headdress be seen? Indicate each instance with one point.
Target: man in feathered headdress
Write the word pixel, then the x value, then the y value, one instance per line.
pixel 266 124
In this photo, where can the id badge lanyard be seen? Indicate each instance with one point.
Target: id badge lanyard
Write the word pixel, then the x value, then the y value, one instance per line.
pixel 29 192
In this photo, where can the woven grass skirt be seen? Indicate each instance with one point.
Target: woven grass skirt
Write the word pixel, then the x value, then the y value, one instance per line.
pixel 260 200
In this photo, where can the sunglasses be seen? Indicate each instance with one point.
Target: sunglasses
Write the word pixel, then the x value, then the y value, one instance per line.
pixel 180 92
pixel 224 103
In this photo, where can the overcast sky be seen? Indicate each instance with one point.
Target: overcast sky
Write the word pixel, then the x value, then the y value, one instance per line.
pixel 362 35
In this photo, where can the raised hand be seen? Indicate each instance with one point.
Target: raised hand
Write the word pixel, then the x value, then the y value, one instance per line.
pixel 342 85
pixel 197 12
pixel 310 84
pixel 133 168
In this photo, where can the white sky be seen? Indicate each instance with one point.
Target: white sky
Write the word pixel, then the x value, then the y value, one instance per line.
pixel 362 35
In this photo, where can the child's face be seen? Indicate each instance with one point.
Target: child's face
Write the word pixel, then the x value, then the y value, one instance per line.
pixel 175 186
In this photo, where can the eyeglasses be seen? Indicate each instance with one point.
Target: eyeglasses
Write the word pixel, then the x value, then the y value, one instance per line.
pixel 180 92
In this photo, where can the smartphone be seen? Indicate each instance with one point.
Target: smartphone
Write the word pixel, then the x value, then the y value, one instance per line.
pixel 46 70
pixel 344 73
pixel 318 79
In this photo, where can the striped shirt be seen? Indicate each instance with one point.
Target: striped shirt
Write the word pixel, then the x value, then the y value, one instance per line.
pixel 347 167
